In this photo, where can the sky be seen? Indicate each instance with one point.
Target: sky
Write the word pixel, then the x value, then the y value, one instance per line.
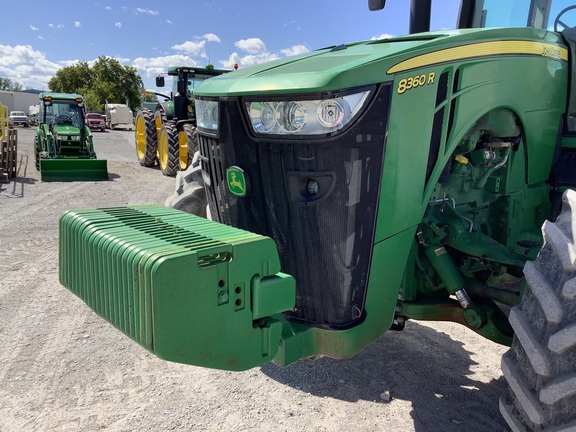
pixel 39 37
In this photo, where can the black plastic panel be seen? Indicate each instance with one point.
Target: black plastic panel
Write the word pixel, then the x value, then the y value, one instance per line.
pixel 325 243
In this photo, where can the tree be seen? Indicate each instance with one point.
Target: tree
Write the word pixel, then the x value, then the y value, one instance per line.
pixel 149 97
pixel 8 85
pixel 106 80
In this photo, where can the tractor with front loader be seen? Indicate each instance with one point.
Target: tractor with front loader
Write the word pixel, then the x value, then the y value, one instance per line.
pixel 63 146
pixel 361 185
pixel 167 134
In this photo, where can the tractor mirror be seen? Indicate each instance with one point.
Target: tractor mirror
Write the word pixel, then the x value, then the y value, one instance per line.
pixel 375 5
pixel 160 81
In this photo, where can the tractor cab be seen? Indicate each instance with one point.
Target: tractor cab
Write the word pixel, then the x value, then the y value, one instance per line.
pixel 71 114
pixel 542 14
pixel 61 112
pixel 179 105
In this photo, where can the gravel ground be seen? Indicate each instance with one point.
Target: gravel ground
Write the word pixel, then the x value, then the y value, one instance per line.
pixel 62 368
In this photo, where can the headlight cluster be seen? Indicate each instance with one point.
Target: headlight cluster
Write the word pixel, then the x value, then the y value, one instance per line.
pixel 305 117
pixel 206 114
pixel 68 137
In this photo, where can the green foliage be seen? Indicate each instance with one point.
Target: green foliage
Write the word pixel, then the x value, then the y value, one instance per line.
pixel 9 85
pixel 149 97
pixel 106 80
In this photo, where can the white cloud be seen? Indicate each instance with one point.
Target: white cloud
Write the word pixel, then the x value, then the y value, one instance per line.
pixel 25 65
pixel 210 37
pixel 294 50
pixel 249 60
pixel 77 24
pixel 118 24
pixel 169 22
pixel 33 28
pixel 382 36
pixel 251 45
pixel 108 8
pixel 193 48
pixel 40 37
pixel 146 11
pixel 58 26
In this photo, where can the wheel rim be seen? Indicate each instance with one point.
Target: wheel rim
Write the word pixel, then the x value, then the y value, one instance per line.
pixel 158 123
pixel 163 149
pixel 140 138
pixel 183 150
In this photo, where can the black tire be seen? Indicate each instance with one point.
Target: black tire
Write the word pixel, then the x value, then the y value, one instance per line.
pixel 188 142
pixel 540 367
pixel 168 149
pixel 190 195
pixel 146 142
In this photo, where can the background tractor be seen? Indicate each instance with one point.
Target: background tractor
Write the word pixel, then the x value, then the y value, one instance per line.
pixel 167 135
pixel 63 147
pixel 371 183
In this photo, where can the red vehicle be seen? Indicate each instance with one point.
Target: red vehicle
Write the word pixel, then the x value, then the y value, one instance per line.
pixel 95 122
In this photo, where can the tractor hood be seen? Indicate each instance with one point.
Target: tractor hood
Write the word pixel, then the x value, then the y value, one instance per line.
pixel 67 130
pixel 356 64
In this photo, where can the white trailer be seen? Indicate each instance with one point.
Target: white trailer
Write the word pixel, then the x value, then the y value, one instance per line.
pixel 33 112
pixel 119 116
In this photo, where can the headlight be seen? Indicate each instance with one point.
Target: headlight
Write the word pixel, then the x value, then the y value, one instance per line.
pixel 206 114
pixel 305 117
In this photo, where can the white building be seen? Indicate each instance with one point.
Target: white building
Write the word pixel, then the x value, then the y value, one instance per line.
pixel 19 101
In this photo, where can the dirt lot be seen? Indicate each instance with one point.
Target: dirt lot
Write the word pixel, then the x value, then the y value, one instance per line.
pixel 62 368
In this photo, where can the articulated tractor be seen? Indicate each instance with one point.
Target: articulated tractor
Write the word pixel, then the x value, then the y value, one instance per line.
pixel 420 177
pixel 63 147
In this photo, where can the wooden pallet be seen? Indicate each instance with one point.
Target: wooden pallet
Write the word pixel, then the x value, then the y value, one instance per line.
pixel 8 156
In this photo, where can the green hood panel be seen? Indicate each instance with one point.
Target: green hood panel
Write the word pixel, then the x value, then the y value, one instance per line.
pixel 356 64
pixel 67 130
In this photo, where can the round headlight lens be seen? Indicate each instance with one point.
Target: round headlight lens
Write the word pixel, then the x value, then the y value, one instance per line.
pixel 292 115
pixel 263 116
pixel 312 187
pixel 330 113
pixel 268 116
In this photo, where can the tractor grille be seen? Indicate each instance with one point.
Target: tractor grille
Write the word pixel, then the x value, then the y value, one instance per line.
pixel 324 241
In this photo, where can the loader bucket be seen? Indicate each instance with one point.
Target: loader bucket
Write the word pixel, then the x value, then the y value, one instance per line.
pixel 73 169
pixel 188 289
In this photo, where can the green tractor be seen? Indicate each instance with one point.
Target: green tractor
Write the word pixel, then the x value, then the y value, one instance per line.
pixel 63 147
pixel 369 184
pixel 167 134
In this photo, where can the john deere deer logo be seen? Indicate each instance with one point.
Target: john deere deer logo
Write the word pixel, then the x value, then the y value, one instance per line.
pixel 237 183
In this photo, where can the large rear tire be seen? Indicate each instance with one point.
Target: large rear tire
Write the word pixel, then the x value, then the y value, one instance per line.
pixel 540 367
pixel 168 149
pixel 188 143
pixel 146 141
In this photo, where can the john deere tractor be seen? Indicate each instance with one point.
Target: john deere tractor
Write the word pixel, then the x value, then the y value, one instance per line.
pixel 63 147
pixel 167 135
pixel 362 185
